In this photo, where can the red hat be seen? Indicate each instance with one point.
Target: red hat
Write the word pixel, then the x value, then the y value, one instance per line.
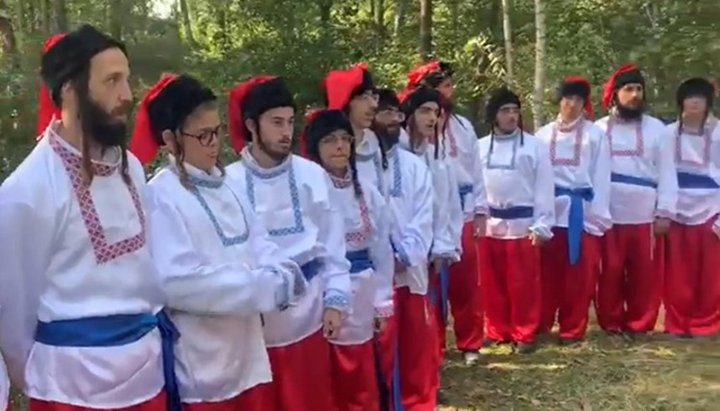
pixel 578 86
pixel 626 74
pixel 339 85
pixel 47 109
pixel 418 74
pixel 236 126
pixel 310 116
pixel 142 143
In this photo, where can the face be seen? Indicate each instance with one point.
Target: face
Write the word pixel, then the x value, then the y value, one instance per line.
pixel 446 88
pixel 694 106
pixel 274 131
pixel 571 106
pixel 389 120
pixel 104 107
pixel 199 137
pixel 335 150
pixel 631 96
pixel 426 119
pixel 508 118
pixel 362 109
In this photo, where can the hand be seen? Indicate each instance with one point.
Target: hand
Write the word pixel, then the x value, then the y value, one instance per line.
pixel 479 225
pixel 332 320
pixel 536 240
pixel 380 324
pixel 661 226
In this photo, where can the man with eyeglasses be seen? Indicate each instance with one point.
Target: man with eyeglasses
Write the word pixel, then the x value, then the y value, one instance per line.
pixel 643 199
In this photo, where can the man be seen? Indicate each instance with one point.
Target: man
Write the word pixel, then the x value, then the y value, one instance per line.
pixel 459 143
pixel 292 197
pixel 692 279
pixel 353 92
pixel 580 158
pixel 520 202
pixel 413 366
pixel 79 328
pixel 643 198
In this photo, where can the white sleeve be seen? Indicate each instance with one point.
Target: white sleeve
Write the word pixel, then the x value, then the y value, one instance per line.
pixel 194 284
pixel 25 255
pixel 415 238
pixel 667 191
pixel 382 257
pixel 600 220
pixel 544 215
pixel 479 192
pixel 336 267
pixel 446 196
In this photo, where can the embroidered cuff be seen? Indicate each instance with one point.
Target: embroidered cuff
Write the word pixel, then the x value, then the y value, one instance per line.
pixel 282 293
pixel 337 299
pixel 384 310
pixel 402 256
pixel 298 279
pixel 481 211
pixel 664 214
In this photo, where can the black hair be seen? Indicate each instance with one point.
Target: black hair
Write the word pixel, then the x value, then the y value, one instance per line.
pixel 262 97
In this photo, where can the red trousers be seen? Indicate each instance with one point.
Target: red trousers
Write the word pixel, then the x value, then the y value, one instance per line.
pixel 692 282
pixel 158 403
pixel 410 342
pixel 567 290
pixel 510 272
pixel 355 386
pixel 298 370
pixel 630 284
pixel 465 298
pixel 253 399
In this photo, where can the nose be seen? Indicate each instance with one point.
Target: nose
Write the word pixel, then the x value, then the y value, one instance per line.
pixel 125 92
pixel 287 131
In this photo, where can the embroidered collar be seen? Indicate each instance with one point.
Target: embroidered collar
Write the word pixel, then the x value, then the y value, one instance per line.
pixel 341 182
pixel 508 136
pixel 196 176
pixel 261 172
pixel 74 156
pixel 568 127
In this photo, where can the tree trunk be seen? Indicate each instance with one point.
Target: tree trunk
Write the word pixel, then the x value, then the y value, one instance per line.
pixel 380 16
pixel 7 34
pixel 426 29
pixel 399 16
pixel 539 94
pixel 46 20
pixel 187 23
pixel 115 18
pixel 325 7
pixel 61 22
pixel 507 35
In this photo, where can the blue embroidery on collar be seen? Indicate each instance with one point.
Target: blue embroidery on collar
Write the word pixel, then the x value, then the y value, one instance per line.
pixel 510 166
pixel 396 189
pixel 207 183
pixel 226 241
pixel 298 226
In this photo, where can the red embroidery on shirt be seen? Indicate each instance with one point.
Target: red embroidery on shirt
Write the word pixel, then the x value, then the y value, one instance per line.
pixel 577 147
pixel 451 140
pixel 706 136
pixel 104 251
pixel 639 150
pixel 360 238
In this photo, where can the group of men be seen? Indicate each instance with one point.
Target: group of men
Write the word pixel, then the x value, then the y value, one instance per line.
pixel 321 281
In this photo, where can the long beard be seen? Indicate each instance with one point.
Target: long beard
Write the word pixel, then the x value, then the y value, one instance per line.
pixel 100 125
pixel 630 113
pixel 388 136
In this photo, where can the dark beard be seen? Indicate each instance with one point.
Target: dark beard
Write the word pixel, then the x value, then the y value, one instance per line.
pixel 388 136
pixel 100 125
pixel 276 156
pixel 629 113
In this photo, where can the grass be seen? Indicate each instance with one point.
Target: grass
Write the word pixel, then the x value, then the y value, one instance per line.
pixel 602 374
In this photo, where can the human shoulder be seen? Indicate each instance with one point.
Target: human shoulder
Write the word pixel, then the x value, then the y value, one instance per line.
pixel 653 122
pixel 545 131
pixel 602 123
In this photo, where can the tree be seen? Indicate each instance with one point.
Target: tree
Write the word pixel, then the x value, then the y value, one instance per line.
pixel 507 35
pixel 187 24
pixel 539 89
pixel 61 21
pixel 7 32
pixel 426 15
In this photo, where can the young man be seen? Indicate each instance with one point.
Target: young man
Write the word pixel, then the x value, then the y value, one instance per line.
pixel 82 325
pixel 521 206
pixel 643 198
pixel 459 144
pixel 329 138
pixel 353 92
pixel 692 278
pixel 580 158
pixel 217 266
pixel 413 366
pixel 292 197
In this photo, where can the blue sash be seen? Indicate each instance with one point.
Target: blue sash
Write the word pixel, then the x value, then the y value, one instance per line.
pixel 117 330
pixel 692 180
pixel 359 260
pixel 311 268
pixel 464 190
pixel 636 181
pixel 576 217
pixel 512 213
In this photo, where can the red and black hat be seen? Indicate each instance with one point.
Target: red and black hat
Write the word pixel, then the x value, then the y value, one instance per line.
pixel 321 123
pixel 430 74
pixel 249 100
pixel 626 74
pixel 580 87
pixel 340 86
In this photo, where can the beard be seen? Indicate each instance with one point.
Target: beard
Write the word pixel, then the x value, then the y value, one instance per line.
pixel 630 113
pixel 389 136
pixel 275 155
pixel 101 126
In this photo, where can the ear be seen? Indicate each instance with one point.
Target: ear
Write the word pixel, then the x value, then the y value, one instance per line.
pixel 169 141
pixel 252 126
pixel 68 93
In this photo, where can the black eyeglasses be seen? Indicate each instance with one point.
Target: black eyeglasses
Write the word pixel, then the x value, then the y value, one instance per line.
pixel 206 137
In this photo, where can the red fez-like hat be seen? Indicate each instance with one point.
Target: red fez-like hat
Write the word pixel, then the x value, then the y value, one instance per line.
pixel 339 85
pixel 236 126
pixel 578 86
pixel 47 109
pixel 626 74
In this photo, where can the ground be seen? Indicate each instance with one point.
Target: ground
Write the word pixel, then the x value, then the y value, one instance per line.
pixel 602 374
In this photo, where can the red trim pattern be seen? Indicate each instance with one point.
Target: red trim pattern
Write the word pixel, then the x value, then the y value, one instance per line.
pixel 577 147
pixel 706 136
pixel 639 150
